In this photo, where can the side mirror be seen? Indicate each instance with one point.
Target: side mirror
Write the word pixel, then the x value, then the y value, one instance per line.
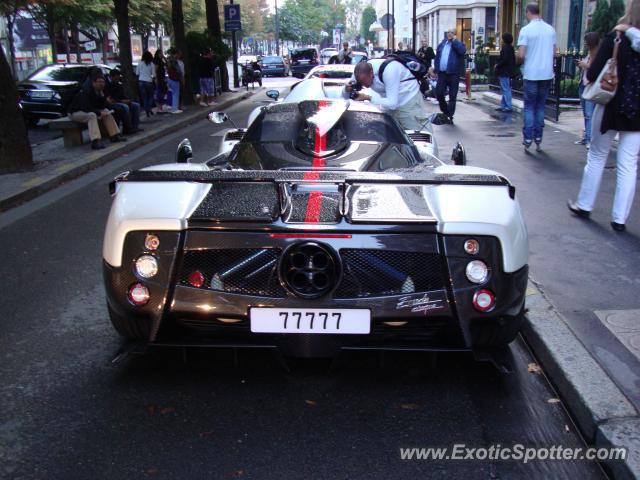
pixel 184 153
pixel 273 94
pixel 458 155
pixel 220 117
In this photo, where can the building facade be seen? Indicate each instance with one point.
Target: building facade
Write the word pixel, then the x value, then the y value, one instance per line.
pixel 569 17
pixel 474 20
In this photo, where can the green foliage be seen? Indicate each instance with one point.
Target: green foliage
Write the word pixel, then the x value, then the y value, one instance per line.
pixel 481 57
pixel 569 87
pixel 368 17
pixel 606 16
pixel 303 20
pixel 477 79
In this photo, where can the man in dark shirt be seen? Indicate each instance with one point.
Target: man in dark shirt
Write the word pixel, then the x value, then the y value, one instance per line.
pixel 426 53
pixel 505 70
pixel 90 106
pixel 126 109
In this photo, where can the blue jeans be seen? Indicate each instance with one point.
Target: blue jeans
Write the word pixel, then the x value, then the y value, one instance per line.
pixel 129 113
pixel 174 86
pixel 587 111
pixel 146 95
pixel 535 97
pixel 505 85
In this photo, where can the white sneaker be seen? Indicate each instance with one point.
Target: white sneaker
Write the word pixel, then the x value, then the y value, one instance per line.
pixel 204 104
pixel 176 111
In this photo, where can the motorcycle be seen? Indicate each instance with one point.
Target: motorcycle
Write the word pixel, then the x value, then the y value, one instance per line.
pixel 251 73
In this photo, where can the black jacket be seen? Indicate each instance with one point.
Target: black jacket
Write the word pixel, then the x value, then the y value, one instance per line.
pixel 612 119
pixel 427 54
pixel 506 66
pixel 88 100
pixel 115 90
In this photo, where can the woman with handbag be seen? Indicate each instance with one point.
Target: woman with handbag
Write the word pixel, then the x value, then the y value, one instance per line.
pixel 592 42
pixel 620 115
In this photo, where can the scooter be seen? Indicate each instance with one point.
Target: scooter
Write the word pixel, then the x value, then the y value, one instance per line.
pixel 251 75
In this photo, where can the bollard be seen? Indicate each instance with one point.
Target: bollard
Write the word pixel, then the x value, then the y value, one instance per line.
pixel 467 81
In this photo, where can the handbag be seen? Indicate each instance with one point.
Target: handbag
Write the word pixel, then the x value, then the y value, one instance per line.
pixel 604 88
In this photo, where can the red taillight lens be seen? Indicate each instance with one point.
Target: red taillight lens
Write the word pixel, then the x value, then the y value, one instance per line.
pixel 138 294
pixel 484 300
pixel 196 279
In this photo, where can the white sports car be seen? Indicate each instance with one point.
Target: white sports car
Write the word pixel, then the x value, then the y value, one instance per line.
pixel 322 227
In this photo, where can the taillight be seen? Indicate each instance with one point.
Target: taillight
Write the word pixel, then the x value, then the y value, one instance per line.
pixel 138 294
pixel 196 279
pixel 484 300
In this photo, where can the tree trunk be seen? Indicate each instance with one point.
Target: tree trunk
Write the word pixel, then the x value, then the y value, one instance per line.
pixel 15 150
pixel 124 39
pixel 177 19
pixel 75 35
pixel 213 17
pixel 12 46
pixel 65 34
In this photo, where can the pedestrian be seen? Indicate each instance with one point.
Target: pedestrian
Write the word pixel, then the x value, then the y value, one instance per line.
pixel 205 72
pixel 426 53
pixel 90 106
pixel 344 56
pixel 591 42
pixel 126 109
pixel 180 60
pixel 506 70
pixel 620 116
pixel 160 65
pixel 449 64
pixel 536 50
pixel 175 79
pixel 400 47
pixel 146 76
pixel 396 91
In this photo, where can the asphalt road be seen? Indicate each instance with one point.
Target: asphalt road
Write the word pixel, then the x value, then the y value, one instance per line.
pixel 68 412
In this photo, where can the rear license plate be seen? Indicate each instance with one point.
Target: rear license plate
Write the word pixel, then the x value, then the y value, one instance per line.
pixel 310 320
pixel 40 94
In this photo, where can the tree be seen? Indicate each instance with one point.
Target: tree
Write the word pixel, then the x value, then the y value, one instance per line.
pixel 606 16
pixel 213 17
pixel 124 40
pixel 15 150
pixel 369 16
pixel 177 19
pixel 9 10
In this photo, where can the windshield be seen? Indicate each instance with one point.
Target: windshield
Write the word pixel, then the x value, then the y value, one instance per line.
pixel 305 54
pixel 323 134
pixel 270 60
pixel 61 74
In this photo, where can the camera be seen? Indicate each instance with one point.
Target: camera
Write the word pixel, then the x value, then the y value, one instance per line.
pixel 355 88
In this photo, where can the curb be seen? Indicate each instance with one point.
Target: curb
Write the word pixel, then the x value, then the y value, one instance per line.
pixel 76 169
pixel 602 412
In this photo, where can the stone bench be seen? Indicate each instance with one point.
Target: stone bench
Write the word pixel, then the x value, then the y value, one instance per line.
pixel 71 131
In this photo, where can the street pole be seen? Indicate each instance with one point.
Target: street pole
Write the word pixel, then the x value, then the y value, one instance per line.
pixel 277 31
pixel 388 27
pixel 393 25
pixel 234 49
pixel 415 23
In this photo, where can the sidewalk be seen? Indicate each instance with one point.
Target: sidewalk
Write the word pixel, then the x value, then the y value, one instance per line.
pixel 582 301
pixel 55 164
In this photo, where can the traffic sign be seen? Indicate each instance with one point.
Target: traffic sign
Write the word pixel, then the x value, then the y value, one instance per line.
pixel 232 21
pixel 88 46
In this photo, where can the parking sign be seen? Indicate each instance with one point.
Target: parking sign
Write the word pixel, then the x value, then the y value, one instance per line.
pixel 232 21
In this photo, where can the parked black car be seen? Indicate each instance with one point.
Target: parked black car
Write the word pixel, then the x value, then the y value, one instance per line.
pixel 275 66
pixel 303 60
pixel 46 93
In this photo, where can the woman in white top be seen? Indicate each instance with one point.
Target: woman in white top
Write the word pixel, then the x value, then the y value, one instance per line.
pixel 146 75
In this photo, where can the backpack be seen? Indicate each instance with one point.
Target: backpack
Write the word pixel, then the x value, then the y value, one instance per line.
pixel 413 63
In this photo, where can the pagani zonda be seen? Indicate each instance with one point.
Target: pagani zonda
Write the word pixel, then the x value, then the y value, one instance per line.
pixel 323 227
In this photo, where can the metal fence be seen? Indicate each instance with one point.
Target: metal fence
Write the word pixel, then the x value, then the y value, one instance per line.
pixel 564 88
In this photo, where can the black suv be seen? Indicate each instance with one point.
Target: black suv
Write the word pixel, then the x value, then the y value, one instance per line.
pixel 46 93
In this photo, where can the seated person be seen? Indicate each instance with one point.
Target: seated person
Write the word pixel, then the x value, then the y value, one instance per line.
pixel 126 109
pixel 91 105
